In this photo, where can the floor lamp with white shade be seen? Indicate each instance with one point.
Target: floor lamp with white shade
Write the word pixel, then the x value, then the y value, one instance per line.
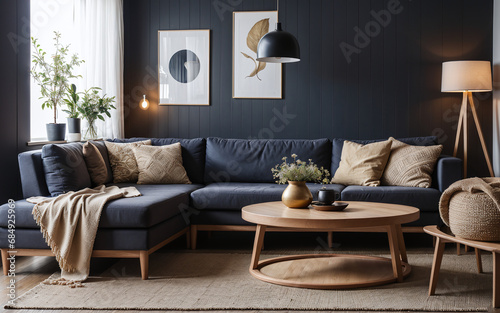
pixel 467 77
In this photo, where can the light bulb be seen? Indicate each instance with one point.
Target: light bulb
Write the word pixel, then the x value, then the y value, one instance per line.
pixel 144 103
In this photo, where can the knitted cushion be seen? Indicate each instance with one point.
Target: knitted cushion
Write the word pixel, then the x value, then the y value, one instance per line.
pixel 122 160
pixel 474 216
pixel 160 164
pixel 410 166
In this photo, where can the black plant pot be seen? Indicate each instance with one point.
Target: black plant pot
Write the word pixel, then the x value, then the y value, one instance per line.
pixel 74 125
pixel 56 132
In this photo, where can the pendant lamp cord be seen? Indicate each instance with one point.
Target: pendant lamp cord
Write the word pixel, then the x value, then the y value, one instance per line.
pixel 278 11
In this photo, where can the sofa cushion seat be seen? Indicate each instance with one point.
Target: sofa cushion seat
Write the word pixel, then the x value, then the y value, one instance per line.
pixel 234 196
pixel 426 199
pixel 157 204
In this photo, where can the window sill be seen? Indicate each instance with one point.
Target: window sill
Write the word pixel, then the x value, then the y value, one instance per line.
pixel 41 143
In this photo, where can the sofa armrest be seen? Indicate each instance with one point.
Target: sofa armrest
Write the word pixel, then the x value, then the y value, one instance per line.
pixel 448 171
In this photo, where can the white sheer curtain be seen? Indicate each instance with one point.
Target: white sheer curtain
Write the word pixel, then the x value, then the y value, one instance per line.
pixel 100 25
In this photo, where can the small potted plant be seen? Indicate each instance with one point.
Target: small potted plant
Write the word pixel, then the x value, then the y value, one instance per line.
pixel 296 174
pixel 93 107
pixel 74 121
pixel 52 76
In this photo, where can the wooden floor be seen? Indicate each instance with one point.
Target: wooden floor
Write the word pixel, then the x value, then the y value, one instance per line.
pixel 30 271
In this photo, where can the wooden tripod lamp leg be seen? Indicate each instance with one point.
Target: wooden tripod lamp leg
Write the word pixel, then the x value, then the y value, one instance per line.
pixel 465 128
pixel 462 126
pixel 459 128
pixel 480 133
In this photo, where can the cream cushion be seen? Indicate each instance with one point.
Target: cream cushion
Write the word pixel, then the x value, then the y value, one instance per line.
pixel 160 164
pixel 122 160
pixel 362 164
pixel 410 166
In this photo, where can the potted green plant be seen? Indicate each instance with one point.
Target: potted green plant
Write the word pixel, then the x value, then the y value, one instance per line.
pixel 93 107
pixel 52 76
pixel 74 121
pixel 296 174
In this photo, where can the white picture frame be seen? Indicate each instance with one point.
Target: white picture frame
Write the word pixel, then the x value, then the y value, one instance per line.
pixel 184 67
pixel 252 79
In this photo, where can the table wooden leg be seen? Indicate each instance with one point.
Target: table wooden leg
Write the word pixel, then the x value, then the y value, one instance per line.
pixel 478 261
pixel 402 247
pixel 330 239
pixel 436 265
pixel 496 280
pixel 392 233
pixel 5 261
pixel 458 248
pixel 257 245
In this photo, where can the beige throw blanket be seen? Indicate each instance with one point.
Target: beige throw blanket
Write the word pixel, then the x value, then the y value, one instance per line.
pixel 69 225
pixel 489 185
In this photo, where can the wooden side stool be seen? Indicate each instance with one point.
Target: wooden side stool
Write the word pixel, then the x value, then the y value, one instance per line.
pixel 442 238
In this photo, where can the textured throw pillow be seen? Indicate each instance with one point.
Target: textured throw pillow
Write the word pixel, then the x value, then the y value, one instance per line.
pixel 161 165
pixel 410 166
pixel 122 160
pixel 362 164
pixel 95 164
pixel 101 146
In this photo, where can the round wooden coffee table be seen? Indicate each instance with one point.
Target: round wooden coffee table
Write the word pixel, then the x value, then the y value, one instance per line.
pixel 332 271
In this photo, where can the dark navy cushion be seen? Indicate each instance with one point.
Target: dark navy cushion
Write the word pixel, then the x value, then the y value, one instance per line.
pixel 217 217
pixel 250 161
pixel 32 174
pixel 157 204
pixel 338 144
pixel 234 196
pixel 193 154
pixel 106 238
pixel 448 170
pixel 65 168
pixel 426 199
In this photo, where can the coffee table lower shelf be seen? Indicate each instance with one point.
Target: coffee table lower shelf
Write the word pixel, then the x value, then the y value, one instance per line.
pixel 328 271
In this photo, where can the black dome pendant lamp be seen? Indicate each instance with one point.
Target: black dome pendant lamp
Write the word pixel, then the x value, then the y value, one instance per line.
pixel 278 46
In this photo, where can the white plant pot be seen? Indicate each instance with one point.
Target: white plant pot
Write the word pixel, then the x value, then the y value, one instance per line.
pixel 74 137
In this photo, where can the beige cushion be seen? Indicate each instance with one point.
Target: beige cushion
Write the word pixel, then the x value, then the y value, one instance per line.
pixel 410 166
pixel 160 164
pixel 122 160
pixel 96 165
pixel 362 164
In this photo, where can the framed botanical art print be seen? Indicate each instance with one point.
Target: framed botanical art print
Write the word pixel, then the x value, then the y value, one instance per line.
pixel 184 67
pixel 251 78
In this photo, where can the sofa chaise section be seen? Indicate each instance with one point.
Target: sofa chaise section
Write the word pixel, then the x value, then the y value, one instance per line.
pixel 128 228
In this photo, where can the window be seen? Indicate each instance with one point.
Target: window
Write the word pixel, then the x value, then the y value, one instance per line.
pixel 48 16
pixel 94 30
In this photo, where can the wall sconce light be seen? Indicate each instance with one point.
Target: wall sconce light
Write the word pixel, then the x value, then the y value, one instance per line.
pixel 144 103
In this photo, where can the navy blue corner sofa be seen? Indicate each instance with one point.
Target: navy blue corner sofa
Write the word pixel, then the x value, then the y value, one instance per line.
pixel 226 175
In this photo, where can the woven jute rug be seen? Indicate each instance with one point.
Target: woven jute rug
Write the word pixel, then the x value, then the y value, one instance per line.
pixel 221 281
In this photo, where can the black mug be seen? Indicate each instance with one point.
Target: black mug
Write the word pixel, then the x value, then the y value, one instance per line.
pixel 327 196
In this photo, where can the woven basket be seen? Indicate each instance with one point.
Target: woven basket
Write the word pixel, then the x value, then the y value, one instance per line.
pixel 474 216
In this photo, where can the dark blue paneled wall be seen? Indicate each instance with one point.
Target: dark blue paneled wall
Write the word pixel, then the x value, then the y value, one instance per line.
pixel 389 87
